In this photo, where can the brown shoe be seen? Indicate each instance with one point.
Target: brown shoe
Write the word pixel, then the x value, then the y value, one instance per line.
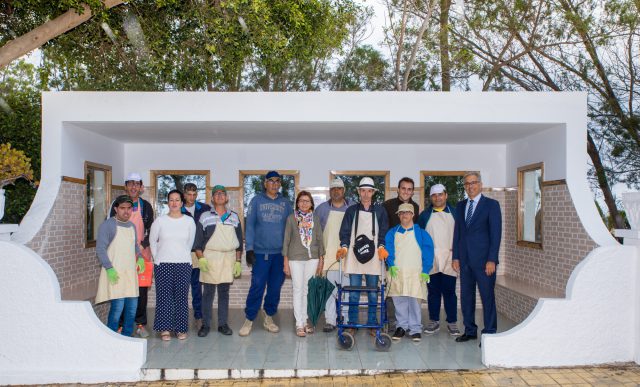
pixel 372 332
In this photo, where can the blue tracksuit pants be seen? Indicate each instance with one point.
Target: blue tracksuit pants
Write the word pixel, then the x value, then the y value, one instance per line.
pixel 267 272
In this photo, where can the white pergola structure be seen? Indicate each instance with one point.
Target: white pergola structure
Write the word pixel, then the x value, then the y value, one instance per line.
pixel 53 341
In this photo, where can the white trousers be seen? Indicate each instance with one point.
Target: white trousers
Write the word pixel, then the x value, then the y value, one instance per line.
pixel 330 314
pixel 301 273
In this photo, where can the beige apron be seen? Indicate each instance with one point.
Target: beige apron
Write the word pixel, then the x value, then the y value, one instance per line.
pixel 122 254
pixel 144 278
pixel 220 253
pixel 331 239
pixel 440 228
pixel 364 227
pixel 409 263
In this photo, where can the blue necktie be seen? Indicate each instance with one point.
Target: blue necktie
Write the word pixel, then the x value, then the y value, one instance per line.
pixel 469 213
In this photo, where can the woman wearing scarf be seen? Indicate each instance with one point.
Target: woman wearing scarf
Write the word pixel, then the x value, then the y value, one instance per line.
pixel 303 253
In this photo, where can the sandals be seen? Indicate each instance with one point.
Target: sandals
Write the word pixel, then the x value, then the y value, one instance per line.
pixel 165 335
pixel 300 332
pixel 309 329
pixel 181 335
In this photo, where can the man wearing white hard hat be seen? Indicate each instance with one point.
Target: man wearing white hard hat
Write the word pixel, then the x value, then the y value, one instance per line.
pixel 331 214
pixel 439 220
pixel 362 233
pixel 142 218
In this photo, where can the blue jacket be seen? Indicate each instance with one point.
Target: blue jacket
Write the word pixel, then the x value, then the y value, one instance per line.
pixel 199 210
pixel 424 242
pixel 266 220
pixel 425 215
pixel 480 241
pixel 349 216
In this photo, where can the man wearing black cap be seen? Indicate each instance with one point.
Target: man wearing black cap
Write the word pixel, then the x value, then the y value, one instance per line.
pixel 266 220
pixel 121 260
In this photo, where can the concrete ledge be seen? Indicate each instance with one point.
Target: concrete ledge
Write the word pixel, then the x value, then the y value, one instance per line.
pixel 516 299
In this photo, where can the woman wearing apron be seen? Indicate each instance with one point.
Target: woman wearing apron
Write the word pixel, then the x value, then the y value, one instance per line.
pixel 410 260
pixel 303 253
pixel 171 240
pixel 117 250
pixel 219 251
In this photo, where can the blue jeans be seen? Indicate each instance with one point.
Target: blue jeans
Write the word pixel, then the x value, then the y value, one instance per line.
pixel 196 293
pixel 267 272
pixel 120 306
pixel 356 280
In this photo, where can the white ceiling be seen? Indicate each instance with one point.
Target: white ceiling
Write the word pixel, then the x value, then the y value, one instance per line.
pixel 313 132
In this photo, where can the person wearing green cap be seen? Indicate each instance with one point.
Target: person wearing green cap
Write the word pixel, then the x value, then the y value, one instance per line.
pixel 218 247
pixel 121 260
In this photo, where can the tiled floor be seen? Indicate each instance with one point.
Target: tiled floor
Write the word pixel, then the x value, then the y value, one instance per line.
pixel 284 351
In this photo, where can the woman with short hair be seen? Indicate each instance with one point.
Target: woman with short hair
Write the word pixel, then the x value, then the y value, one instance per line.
pixel 303 252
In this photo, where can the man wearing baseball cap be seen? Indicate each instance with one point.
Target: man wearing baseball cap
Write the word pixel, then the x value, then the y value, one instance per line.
pixel 439 220
pixel 121 260
pixel 362 233
pixel 264 236
pixel 331 214
pixel 142 218
pixel 410 259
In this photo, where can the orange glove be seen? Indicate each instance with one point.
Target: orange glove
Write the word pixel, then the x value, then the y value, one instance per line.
pixel 341 253
pixel 382 253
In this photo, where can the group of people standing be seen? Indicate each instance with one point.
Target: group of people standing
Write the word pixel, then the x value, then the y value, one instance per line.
pixel 199 246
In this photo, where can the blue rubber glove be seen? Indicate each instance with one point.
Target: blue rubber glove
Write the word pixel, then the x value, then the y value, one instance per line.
pixel 425 277
pixel 113 276
pixel 393 271
pixel 141 265
pixel 237 269
pixel 204 264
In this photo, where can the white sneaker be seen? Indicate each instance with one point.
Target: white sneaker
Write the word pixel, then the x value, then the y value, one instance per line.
pixel 246 328
pixel 269 324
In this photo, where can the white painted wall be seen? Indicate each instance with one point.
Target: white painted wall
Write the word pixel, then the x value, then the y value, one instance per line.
pixel 79 145
pixel 47 340
pixel 547 147
pixel 595 324
pixel 315 161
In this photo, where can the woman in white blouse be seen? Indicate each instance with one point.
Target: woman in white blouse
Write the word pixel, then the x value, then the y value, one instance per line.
pixel 171 240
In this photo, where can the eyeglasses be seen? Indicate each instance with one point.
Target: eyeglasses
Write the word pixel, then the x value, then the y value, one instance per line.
pixel 470 183
pixel 219 193
pixel 304 201
pixel 273 181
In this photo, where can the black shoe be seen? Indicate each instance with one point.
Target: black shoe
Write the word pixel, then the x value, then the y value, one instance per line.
pixel 225 330
pixel 203 332
pixel 329 328
pixel 465 338
pixel 416 337
pixel 398 334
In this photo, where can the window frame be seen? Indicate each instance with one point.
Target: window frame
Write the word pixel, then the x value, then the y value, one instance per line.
pixel 243 172
pixel 153 175
pixel 107 169
pixel 520 218
pixel 424 174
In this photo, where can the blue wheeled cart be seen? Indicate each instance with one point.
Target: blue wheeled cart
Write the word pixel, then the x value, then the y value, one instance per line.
pixel 346 341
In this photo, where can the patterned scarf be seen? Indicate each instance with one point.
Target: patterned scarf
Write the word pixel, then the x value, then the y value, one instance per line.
pixel 305 227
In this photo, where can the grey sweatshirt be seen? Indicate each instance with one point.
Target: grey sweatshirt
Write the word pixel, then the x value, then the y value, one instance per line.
pixel 106 233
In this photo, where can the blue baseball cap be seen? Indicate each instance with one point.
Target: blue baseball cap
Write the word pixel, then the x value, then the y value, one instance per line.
pixel 272 174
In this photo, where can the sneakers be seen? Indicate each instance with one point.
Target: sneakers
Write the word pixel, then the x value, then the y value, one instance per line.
pixel 432 327
pixel 141 331
pixel 453 330
pixel 398 334
pixel 246 328
pixel 268 323
pixel 416 337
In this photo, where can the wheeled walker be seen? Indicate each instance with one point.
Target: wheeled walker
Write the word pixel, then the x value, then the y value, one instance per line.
pixel 346 340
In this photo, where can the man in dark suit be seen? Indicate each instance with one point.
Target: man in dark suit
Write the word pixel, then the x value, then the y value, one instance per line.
pixel 476 242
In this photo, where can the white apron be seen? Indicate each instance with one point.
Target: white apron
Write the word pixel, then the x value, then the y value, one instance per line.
pixel 409 262
pixel 220 253
pixel 331 239
pixel 440 228
pixel 364 227
pixel 122 254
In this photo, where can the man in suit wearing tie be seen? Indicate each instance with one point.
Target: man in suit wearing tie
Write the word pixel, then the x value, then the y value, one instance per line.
pixel 476 242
